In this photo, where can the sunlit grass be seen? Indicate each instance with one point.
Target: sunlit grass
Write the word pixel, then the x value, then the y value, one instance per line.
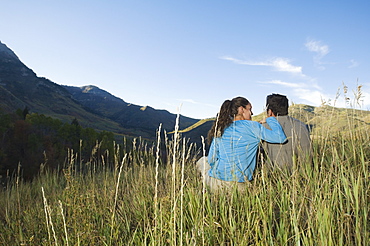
pixel 143 199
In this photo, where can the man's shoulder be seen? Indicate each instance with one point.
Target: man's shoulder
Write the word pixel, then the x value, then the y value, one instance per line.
pixel 288 118
pixel 294 120
pixel 291 122
pixel 300 126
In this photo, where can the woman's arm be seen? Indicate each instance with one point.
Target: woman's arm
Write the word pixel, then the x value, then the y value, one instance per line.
pixel 276 134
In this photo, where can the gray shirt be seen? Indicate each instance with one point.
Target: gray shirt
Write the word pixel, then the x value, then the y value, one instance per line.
pixel 298 145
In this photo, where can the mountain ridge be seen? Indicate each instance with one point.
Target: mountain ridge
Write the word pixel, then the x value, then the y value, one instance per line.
pixel 96 108
pixel 91 106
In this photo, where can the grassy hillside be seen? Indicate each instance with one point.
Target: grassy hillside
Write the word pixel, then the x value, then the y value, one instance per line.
pixel 146 200
pixel 319 119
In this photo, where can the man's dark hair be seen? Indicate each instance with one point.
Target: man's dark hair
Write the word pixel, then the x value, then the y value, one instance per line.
pixel 278 104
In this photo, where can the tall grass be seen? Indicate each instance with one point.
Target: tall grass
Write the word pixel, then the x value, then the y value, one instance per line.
pixel 148 200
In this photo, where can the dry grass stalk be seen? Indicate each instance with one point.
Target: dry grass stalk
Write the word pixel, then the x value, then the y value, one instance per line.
pixel 64 222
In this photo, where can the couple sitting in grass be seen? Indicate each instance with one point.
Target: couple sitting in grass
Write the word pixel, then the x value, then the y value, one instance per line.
pixel 235 140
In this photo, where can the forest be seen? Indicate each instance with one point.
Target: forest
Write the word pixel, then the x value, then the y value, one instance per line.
pixel 30 141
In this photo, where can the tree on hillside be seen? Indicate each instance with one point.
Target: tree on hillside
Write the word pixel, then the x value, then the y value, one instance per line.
pixel 38 139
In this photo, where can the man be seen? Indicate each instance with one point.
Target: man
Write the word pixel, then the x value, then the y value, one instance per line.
pixel 298 147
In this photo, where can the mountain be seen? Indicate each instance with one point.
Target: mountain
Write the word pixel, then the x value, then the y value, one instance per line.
pixel 20 87
pixel 93 107
pixel 135 119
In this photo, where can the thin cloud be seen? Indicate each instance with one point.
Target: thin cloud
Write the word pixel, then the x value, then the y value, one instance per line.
pixel 283 65
pixel 313 97
pixel 286 84
pixel 321 50
pixel 318 98
pixel 315 46
pixel 195 102
pixel 278 64
pixel 189 101
pixel 353 64
pixel 307 92
pixel 312 94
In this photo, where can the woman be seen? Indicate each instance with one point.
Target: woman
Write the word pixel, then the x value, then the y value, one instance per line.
pixel 234 139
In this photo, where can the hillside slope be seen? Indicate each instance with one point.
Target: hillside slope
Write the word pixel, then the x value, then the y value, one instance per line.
pixel 135 119
pixel 320 120
pixel 93 107
pixel 20 88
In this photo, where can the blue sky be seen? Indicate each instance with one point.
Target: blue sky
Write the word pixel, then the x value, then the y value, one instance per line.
pixel 190 56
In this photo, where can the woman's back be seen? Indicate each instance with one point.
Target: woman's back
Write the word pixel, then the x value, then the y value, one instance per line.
pixel 233 155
